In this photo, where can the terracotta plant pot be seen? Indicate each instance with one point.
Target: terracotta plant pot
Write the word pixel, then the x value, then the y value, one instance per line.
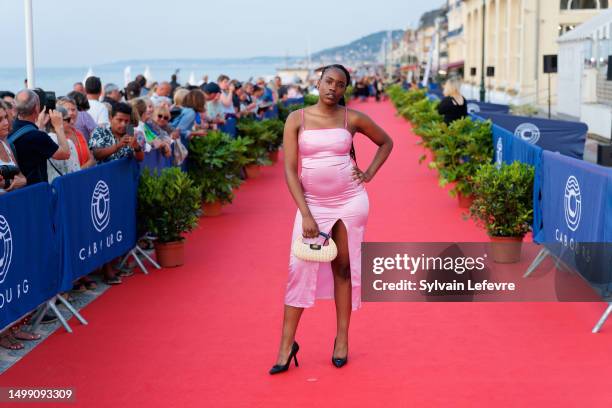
pixel 170 254
pixel 273 156
pixel 506 249
pixel 251 170
pixel 464 201
pixel 212 209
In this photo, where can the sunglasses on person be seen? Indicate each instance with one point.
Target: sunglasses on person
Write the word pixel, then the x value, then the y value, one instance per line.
pixel 163 117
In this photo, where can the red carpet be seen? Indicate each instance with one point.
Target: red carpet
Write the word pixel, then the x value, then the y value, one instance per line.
pixel 205 335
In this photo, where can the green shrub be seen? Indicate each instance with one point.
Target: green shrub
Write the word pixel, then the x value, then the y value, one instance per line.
pixel 460 150
pixel 277 127
pixel 215 161
pixel 259 138
pixel 503 201
pixel 310 99
pixel 169 204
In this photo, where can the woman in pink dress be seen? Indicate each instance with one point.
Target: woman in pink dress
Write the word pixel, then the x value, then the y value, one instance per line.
pixel 331 198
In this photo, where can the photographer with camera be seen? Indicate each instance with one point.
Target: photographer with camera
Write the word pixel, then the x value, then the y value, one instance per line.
pixel 31 146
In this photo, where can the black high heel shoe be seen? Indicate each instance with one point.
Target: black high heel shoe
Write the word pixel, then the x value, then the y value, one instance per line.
pixel 278 368
pixel 338 362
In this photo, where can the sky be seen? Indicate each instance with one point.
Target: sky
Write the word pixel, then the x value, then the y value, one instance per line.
pixel 76 33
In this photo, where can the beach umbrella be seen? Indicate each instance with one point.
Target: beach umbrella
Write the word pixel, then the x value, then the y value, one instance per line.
pixel 127 75
pixel 147 74
pixel 88 74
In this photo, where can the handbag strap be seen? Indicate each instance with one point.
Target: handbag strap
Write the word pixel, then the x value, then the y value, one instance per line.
pixel 327 236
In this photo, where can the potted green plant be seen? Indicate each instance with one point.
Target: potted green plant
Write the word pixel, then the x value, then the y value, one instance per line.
pixel 214 165
pixel 258 140
pixel 311 99
pixel 503 204
pixel 168 207
pixel 277 127
pixel 462 148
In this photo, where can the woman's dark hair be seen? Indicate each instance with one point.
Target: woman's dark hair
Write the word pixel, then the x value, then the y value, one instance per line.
pixel 342 102
pixel 194 100
pixel 140 80
pixel 82 103
pixel 132 90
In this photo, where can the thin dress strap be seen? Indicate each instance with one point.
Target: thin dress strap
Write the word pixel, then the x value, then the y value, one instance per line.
pixel 345 117
pixel 302 115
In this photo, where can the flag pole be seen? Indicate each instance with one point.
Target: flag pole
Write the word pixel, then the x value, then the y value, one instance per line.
pixel 29 44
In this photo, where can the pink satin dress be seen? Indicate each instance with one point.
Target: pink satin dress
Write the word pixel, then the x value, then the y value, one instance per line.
pixel 332 195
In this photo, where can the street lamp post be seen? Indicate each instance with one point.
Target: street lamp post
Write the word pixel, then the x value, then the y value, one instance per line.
pixel 482 62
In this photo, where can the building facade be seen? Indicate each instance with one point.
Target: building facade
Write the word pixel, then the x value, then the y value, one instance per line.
pixel 431 41
pixel 517 34
pixel 455 43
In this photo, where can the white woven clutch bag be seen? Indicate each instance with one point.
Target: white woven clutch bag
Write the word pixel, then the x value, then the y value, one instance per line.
pixel 315 252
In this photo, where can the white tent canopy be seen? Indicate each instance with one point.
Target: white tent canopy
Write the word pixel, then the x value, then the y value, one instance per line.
pixel 583 53
pixel 599 27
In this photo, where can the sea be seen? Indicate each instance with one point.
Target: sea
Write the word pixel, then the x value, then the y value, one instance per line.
pixel 61 79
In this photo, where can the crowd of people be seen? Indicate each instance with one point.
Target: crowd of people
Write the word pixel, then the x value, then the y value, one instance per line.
pixel 43 137
pixel 367 86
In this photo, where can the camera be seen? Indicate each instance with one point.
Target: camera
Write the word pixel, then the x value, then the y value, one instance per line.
pixel 47 99
pixel 8 173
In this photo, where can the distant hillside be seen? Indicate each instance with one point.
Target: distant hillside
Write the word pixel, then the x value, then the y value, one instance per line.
pixel 367 49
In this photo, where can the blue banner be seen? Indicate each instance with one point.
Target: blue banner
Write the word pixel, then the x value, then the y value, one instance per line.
pixel 576 211
pixel 96 216
pixel 555 135
pixel 524 152
pixel 436 92
pixel 271 113
pixel 29 270
pixel 508 148
pixel 293 101
pixel 229 126
pixel 155 161
pixel 475 106
pixel 502 145
pixel 576 200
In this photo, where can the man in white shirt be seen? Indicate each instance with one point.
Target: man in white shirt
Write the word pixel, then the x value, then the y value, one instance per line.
pixel 97 110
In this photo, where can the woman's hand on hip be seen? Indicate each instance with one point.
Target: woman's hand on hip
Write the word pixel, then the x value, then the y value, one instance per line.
pixel 361 176
pixel 310 229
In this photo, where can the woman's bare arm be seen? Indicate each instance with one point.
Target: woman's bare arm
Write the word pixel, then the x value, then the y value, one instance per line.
pixel 290 150
pixel 363 124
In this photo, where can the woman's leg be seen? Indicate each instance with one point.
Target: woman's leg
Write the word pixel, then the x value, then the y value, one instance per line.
pixel 341 268
pixel 290 324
